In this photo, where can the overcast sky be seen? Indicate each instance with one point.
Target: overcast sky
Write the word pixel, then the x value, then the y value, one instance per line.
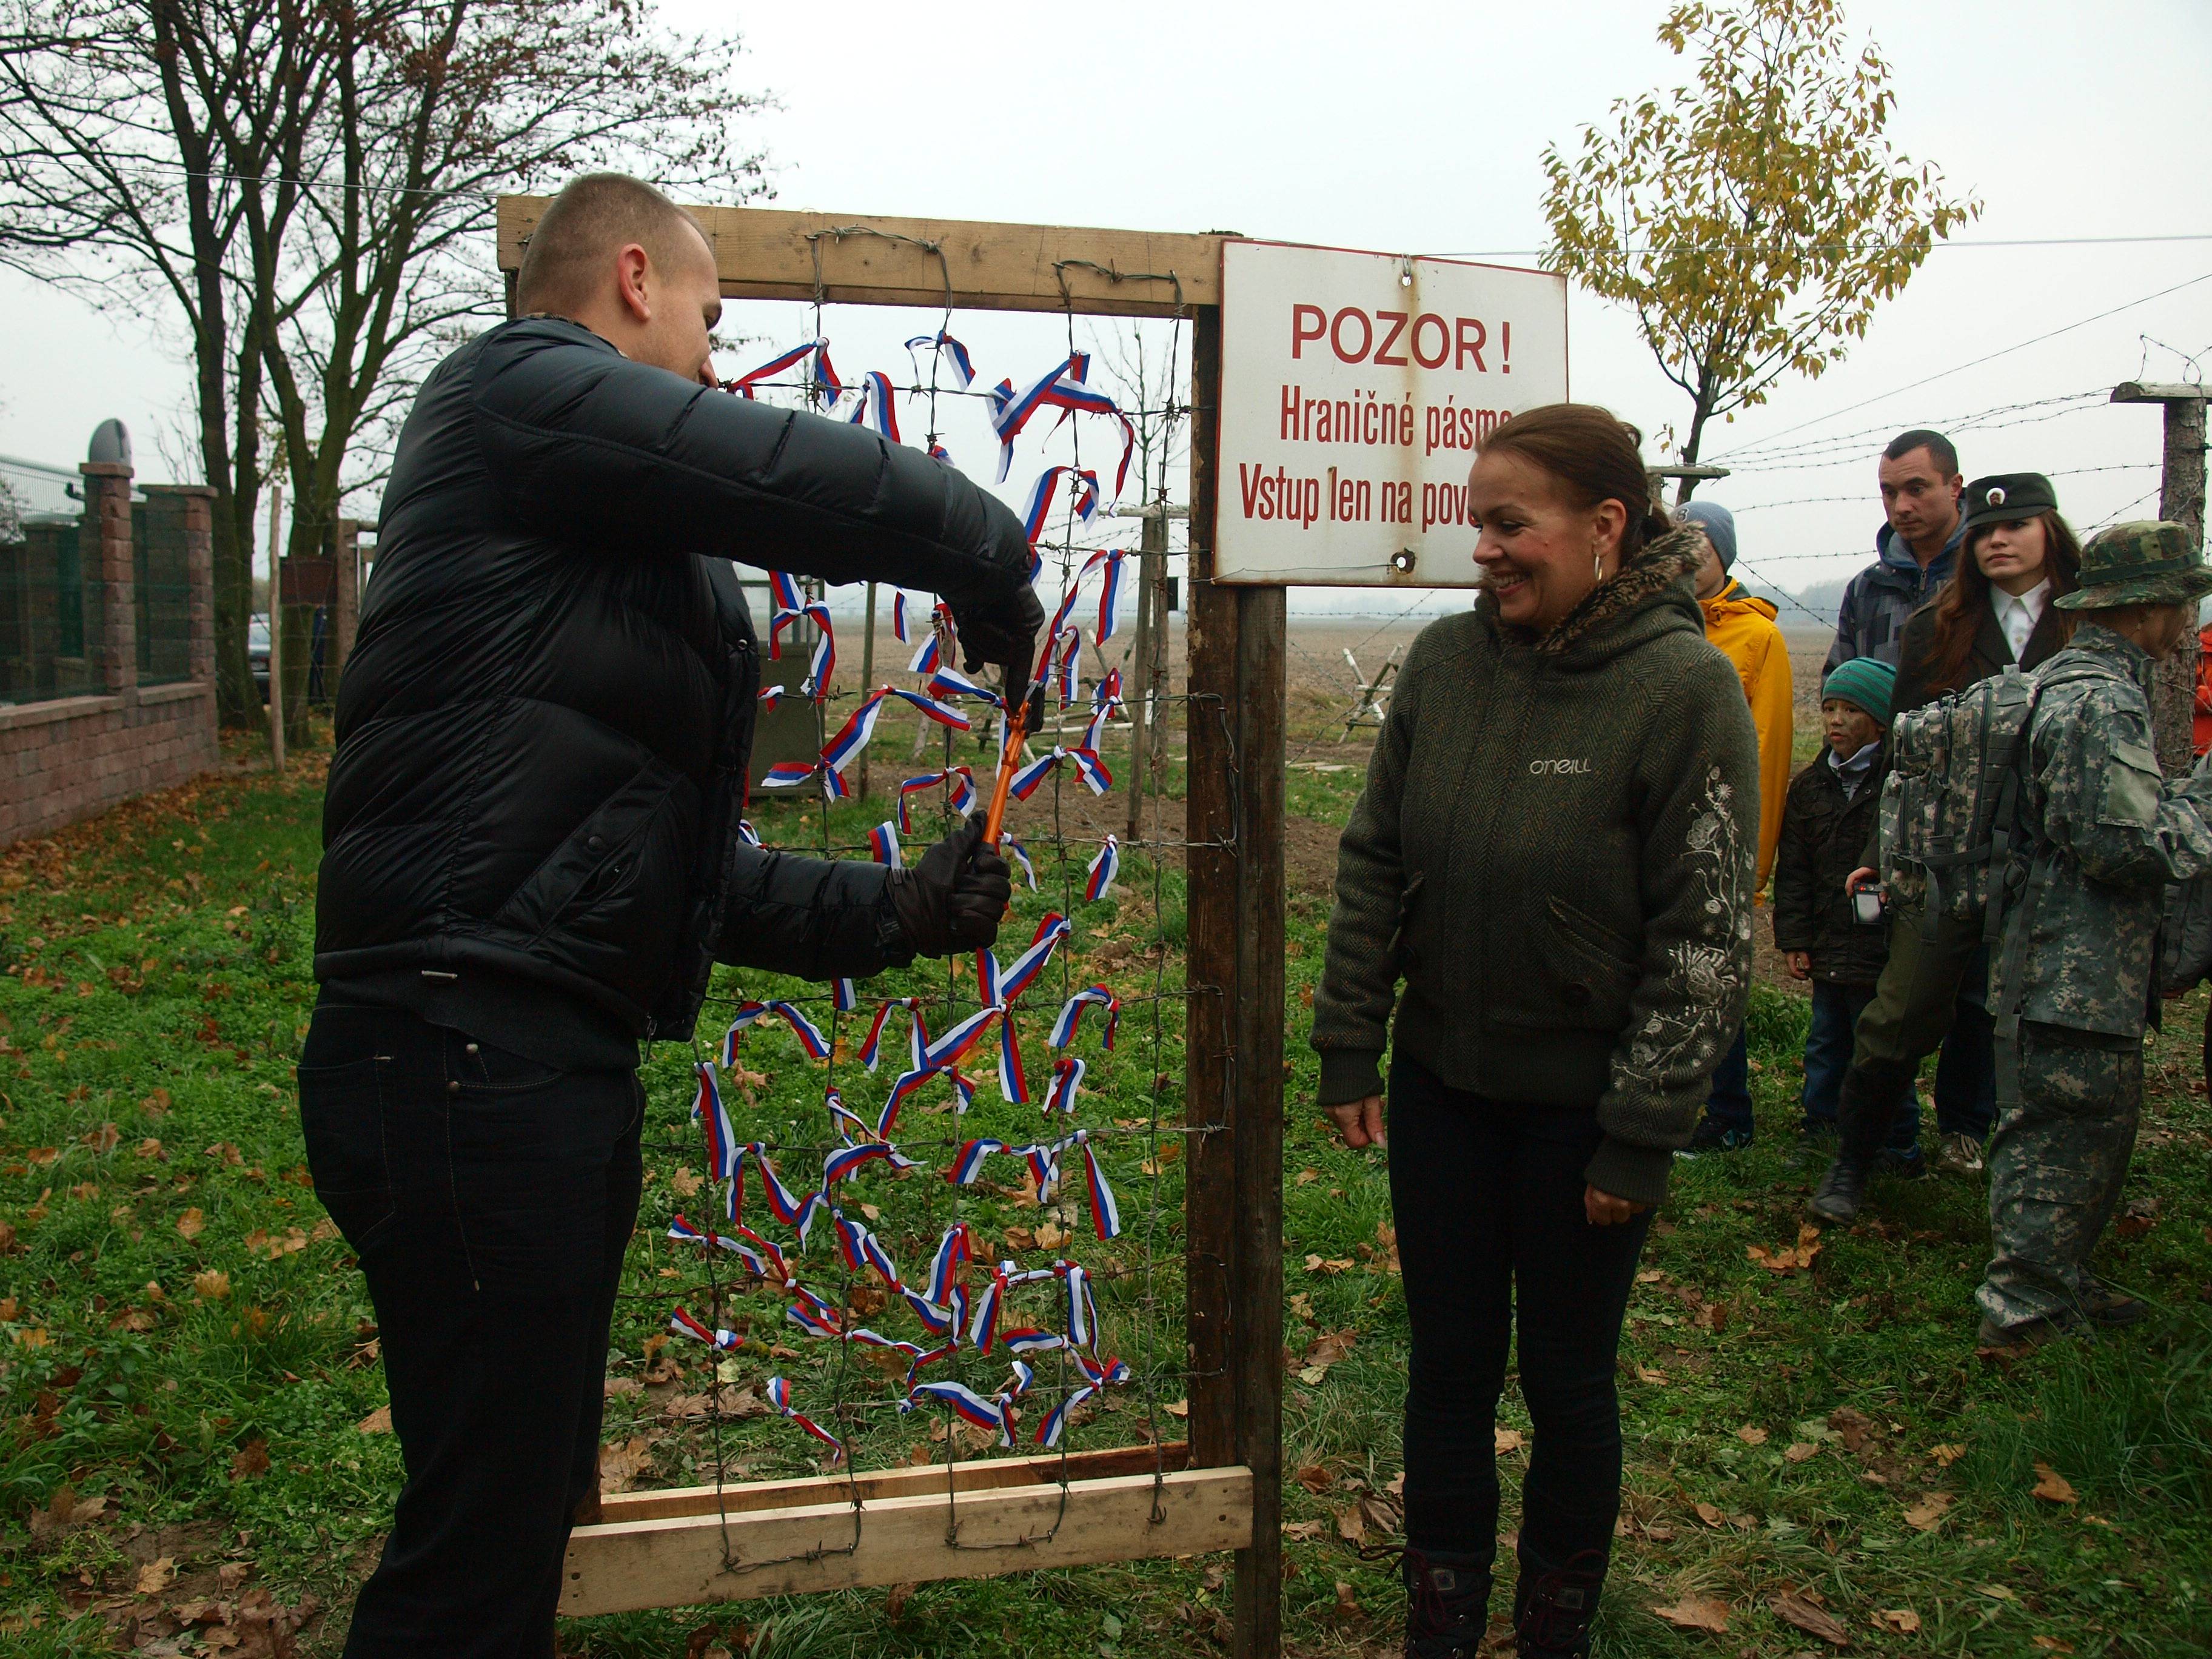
pixel 1417 129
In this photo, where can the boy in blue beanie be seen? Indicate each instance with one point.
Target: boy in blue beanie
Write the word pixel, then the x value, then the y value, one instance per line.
pixel 1827 820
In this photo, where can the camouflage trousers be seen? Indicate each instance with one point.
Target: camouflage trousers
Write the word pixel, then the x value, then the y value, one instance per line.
pixel 2065 1129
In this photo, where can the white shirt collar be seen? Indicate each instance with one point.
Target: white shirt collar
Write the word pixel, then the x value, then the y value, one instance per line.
pixel 2018 613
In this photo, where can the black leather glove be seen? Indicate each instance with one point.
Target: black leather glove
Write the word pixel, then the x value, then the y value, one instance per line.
pixel 1001 630
pixel 952 900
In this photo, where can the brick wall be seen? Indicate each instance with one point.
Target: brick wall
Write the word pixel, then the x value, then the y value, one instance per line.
pixel 73 757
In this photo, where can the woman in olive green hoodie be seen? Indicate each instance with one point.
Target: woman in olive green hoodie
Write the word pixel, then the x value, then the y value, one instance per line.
pixel 1554 853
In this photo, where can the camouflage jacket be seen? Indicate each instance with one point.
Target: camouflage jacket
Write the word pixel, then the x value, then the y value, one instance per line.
pixel 2106 832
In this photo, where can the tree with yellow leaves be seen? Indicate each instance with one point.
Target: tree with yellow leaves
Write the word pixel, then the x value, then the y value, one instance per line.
pixel 1755 220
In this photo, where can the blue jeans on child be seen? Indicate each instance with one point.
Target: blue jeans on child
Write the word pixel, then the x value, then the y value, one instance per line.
pixel 1836 1009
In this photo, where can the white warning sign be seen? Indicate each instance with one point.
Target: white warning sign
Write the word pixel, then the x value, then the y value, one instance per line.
pixel 1354 387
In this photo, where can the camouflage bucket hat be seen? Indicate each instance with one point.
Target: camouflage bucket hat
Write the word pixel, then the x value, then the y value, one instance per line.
pixel 2149 561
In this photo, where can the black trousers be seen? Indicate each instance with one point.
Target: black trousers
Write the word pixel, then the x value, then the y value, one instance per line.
pixel 1492 1235
pixel 489 1199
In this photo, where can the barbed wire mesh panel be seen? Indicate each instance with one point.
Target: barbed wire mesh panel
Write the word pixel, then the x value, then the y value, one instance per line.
pixel 940 1268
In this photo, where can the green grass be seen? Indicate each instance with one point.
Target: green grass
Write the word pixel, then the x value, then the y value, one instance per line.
pixel 157 981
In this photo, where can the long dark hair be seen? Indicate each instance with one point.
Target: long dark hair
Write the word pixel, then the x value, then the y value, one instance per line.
pixel 1594 456
pixel 1959 607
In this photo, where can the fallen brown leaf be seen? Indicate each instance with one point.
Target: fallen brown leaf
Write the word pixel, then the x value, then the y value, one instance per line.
pixel 1347 1604
pixel 1794 1609
pixel 1696 1612
pixel 377 1422
pixel 1351 1524
pixel 1798 1450
pixel 2052 1486
pixel 212 1286
pixel 1928 1514
pixel 1303 1532
pixel 1711 1514
pixel 2052 1643
pixel 191 1223
pixel 1751 1437
pixel 1315 1479
pixel 622 1463
pixel 1505 1440
pixel 1946 1456
pixel 157 1575
pixel 1897 1621
pixel 250 1460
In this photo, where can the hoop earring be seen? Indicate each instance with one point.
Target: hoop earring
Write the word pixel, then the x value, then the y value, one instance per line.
pixel 1597 565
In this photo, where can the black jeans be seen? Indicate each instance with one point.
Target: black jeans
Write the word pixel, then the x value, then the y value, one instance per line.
pixel 1490 1232
pixel 489 1199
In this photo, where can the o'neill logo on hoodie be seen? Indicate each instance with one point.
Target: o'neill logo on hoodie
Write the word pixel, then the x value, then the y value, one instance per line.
pixel 1558 768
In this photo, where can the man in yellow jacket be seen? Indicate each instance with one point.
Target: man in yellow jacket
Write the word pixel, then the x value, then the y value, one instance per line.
pixel 1743 629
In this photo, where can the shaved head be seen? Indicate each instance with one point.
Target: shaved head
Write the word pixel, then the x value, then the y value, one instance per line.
pixel 570 255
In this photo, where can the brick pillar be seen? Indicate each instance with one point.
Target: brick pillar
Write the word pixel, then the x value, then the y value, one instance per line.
pixel 110 576
pixel 345 601
pixel 199 503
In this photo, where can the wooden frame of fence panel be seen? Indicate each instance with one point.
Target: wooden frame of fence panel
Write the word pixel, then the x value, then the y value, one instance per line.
pixel 1224 1489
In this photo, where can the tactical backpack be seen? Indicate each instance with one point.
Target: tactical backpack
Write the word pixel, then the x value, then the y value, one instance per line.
pixel 1950 817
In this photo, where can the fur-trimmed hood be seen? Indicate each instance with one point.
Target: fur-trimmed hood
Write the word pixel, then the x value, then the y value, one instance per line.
pixel 1654 593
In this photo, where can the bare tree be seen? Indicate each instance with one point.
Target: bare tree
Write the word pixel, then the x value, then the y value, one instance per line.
pixel 132 134
pixel 311 182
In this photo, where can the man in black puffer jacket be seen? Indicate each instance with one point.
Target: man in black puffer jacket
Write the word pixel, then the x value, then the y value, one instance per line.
pixel 532 859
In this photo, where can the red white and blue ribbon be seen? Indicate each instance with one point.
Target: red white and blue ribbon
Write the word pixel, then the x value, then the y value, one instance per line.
pixel 1021 856
pixel 721 1140
pixel 1082 1310
pixel 949 681
pixel 1088 766
pixel 859 725
pixel 1097 1375
pixel 750 835
pixel 875 406
pixel 1014 1081
pixel 903 1088
pixel 1103 869
pixel 927 659
pixel 1066 1083
pixel 1066 684
pixel 759 1255
pixel 813 1315
pixel 791 1212
pixel 954 1251
pixel 779 1395
pixel 946 347
pixel 771 696
pixel 962 800
pixel 970 1406
pixel 898 615
pixel 1103 701
pixel 1062 387
pixel 861 1251
pixel 969 1164
pixel 683 1324
pixel 1036 508
pixel 809 1035
pixel 883 845
pixel 788 774
pixel 917 1033
pixel 844 1160
pixel 1071 1015
pixel 1105 1213
pixel 1110 593
pixel 1017 979
pixel 825 376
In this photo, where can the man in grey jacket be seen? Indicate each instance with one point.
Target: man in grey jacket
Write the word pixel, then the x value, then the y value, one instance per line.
pixel 1913 550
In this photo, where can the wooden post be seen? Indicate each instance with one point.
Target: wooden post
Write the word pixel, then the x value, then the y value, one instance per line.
pixel 276 632
pixel 1234 1045
pixel 2180 499
pixel 867 673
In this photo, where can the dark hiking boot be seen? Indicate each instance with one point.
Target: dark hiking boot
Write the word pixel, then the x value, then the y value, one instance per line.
pixel 1902 1163
pixel 2025 1337
pixel 1551 1616
pixel 1713 1136
pixel 1842 1190
pixel 1447 1604
pixel 2104 1305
